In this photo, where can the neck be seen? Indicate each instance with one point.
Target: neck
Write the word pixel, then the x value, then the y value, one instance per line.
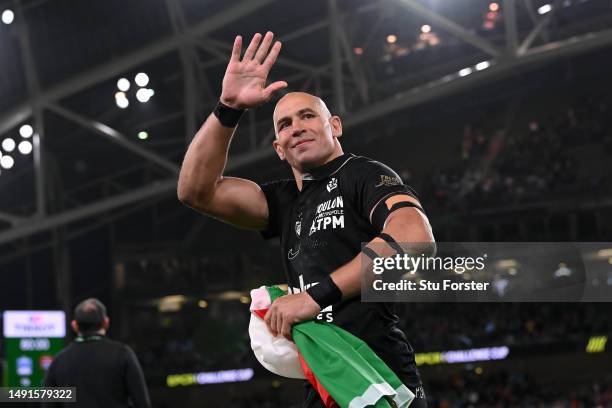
pixel 100 332
pixel 299 173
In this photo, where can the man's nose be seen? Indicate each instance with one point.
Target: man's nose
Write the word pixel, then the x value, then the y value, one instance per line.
pixel 298 129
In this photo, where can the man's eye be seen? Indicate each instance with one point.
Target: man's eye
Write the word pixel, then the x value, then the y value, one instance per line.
pixel 308 115
pixel 282 126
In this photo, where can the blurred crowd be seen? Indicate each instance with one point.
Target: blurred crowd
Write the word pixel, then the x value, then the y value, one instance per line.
pixel 513 389
pixel 539 159
pixel 466 325
pixel 193 339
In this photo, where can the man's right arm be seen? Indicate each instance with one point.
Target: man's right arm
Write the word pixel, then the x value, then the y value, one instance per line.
pixel 201 183
pixel 202 186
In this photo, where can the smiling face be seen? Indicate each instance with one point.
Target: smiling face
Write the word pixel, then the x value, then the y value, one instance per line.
pixel 306 133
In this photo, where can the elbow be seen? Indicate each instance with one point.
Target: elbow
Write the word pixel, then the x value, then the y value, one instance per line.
pixel 430 249
pixel 426 249
pixel 183 193
pixel 423 246
pixel 414 231
pixel 194 198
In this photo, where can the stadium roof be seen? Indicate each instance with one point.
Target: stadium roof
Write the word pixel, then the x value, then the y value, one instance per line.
pixel 61 61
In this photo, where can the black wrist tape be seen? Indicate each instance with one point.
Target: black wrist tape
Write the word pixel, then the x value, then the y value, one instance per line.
pixel 229 117
pixel 325 293
pixel 392 243
pixel 370 253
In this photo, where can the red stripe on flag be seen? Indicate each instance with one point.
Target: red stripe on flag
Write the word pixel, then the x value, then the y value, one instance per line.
pixel 327 399
pixel 261 313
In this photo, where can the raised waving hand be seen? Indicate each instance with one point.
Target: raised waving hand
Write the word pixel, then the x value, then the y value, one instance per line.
pixel 244 83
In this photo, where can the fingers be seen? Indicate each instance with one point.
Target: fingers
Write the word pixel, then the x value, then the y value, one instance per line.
pixel 271 58
pixel 279 324
pixel 286 329
pixel 274 87
pixel 274 324
pixel 236 49
pixel 250 52
pixel 270 320
pixel 262 51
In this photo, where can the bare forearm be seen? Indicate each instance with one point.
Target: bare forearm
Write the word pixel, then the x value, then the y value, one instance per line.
pixel 243 87
pixel 204 161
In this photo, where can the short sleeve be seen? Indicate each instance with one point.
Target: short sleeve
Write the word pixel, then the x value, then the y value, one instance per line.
pixel 275 192
pixel 374 182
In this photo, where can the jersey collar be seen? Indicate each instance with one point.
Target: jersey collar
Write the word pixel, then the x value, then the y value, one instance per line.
pixel 328 169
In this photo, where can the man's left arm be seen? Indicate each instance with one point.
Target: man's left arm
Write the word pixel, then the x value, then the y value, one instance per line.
pixel 406 224
pixel 135 381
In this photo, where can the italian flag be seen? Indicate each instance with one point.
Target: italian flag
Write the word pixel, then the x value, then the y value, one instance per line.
pixel 342 368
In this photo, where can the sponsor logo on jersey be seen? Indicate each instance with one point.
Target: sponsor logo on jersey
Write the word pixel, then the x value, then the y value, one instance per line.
pixel 325 314
pixel 388 181
pixel 333 183
pixel 330 214
pixel 293 252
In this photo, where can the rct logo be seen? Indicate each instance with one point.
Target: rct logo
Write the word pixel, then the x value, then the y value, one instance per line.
pixel 333 183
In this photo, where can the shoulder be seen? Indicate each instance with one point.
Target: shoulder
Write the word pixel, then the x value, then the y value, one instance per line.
pixel 115 346
pixel 284 184
pixel 279 188
pixel 363 169
pixel 366 164
pixel 63 354
pixel 120 346
pixel 373 180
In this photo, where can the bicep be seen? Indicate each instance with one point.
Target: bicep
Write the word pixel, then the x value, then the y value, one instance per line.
pixel 409 224
pixel 238 202
pixel 405 223
pixel 388 203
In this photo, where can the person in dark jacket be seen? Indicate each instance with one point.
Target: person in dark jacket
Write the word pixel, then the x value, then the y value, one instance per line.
pixel 106 373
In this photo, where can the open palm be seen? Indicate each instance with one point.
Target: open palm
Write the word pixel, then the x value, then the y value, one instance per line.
pixel 244 83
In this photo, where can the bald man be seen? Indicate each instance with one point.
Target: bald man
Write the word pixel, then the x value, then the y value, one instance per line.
pixel 335 202
pixel 106 373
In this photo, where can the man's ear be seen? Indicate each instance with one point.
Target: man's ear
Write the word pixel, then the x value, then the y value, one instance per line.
pixel 279 149
pixel 336 126
pixel 75 326
pixel 106 323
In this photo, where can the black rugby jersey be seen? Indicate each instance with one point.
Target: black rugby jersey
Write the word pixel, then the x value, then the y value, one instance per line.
pixel 322 227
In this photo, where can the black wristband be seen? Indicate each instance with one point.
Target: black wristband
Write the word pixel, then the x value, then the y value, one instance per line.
pixel 229 117
pixel 325 293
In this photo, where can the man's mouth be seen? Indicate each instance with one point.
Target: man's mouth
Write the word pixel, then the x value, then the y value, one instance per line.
pixel 301 142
